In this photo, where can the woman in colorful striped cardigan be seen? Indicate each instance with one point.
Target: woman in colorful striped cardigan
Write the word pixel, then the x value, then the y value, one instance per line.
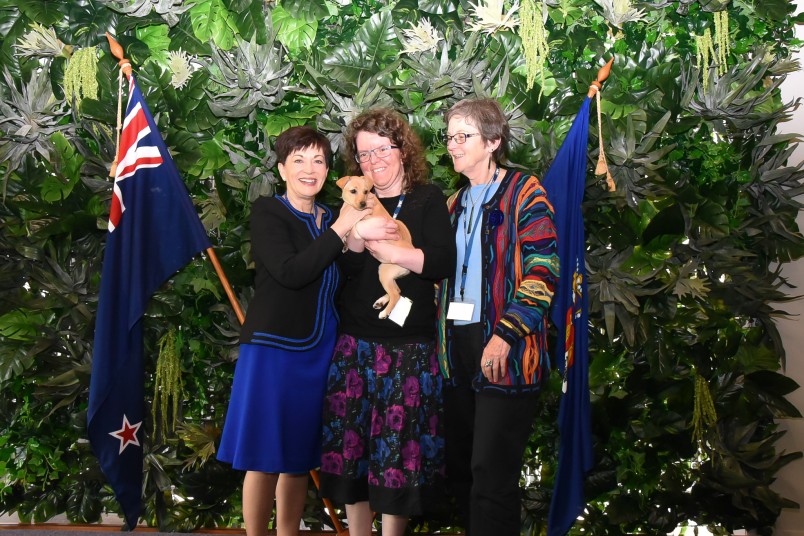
pixel 493 316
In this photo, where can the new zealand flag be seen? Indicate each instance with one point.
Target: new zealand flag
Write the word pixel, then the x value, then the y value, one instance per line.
pixel 154 231
pixel 565 182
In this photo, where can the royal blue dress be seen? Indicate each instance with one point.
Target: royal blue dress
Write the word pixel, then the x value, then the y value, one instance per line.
pixel 273 422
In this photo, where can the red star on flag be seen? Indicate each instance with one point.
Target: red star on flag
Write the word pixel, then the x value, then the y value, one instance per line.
pixel 127 434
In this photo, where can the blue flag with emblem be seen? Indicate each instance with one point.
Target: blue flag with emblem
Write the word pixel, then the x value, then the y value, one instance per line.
pixel 154 231
pixel 565 182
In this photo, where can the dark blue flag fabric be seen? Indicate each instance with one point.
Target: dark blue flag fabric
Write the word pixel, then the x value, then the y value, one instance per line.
pixel 154 231
pixel 565 182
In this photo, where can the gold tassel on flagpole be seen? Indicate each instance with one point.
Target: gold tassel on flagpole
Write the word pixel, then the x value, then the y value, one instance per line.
pixel 602 167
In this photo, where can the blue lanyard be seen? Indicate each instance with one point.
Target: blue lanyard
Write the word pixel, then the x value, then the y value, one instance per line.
pixel 466 255
pixel 398 206
pixel 468 245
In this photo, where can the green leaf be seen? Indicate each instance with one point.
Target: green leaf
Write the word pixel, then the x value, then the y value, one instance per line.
pixel 22 324
pixel 438 7
pixel 157 39
pixel 89 21
pixel 67 167
pixel 775 10
pixel 616 111
pixel 282 119
pixel 45 12
pixel 213 158
pixel 213 22
pixel 183 37
pixel 295 34
pixel 200 284
pixel 373 47
pixel 250 18
pixel 306 10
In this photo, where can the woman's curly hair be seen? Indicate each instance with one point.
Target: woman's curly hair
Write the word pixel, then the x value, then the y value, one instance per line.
pixel 390 124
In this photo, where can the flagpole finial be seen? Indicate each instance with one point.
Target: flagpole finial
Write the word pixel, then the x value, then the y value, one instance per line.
pixel 602 74
pixel 117 52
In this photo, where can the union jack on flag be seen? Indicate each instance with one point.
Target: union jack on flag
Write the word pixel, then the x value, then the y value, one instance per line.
pixel 135 155
pixel 154 231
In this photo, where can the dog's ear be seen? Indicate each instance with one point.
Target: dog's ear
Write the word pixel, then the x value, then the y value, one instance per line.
pixel 369 182
pixel 342 181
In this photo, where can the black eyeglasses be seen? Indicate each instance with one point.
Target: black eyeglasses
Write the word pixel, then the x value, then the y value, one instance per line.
pixel 379 152
pixel 460 137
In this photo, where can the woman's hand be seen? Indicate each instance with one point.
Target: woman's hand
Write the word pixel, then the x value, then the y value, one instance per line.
pixel 377 228
pixel 382 251
pixel 494 363
pixel 347 219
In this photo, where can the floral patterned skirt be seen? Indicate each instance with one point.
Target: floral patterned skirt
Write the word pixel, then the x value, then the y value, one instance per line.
pixel 383 439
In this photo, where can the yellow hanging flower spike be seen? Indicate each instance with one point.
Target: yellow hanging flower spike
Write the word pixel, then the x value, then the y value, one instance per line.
pixel 534 42
pixel 167 383
pixel 704 413
pixel 81 76
pixel 722 41
pixel 705 53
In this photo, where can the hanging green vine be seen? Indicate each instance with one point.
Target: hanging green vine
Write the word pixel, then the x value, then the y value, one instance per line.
pixel 167 384
pixel 705 54
pixel 722 41
pixel 534 42
pixel 80 77
pixel 704 415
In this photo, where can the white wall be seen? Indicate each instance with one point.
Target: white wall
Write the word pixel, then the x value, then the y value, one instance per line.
pixel 790 481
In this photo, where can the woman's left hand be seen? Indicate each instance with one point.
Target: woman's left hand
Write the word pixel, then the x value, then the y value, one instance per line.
pixel 382 251
pixel 494 363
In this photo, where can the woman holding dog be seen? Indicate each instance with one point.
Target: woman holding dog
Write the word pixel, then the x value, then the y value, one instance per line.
pixel 383 445
pixel 493 314
pixel 273 423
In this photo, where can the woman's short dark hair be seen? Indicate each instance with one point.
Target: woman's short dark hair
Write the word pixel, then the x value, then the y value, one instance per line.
pixel 488 117
pixel 299 138
pixel 389 124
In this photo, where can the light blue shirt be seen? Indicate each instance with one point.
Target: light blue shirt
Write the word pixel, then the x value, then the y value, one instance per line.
pixel 474 273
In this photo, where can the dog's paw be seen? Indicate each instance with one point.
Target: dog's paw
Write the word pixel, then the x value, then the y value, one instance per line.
pixel 381 302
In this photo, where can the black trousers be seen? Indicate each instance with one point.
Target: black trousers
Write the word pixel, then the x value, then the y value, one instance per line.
pixel 485 439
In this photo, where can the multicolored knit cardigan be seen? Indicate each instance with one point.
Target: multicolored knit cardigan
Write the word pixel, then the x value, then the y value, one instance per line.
pixel 520 264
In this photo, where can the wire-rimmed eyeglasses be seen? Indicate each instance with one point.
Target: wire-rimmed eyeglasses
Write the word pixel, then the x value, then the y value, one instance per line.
pixel 379 152
pixel 460 137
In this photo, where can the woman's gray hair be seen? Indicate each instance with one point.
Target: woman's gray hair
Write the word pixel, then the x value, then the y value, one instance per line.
pixel 488 117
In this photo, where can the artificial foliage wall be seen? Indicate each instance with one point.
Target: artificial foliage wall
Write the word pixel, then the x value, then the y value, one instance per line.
pixel 683 257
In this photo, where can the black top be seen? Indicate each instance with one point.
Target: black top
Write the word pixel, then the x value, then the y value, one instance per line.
pixel 424 211
pixel 296 276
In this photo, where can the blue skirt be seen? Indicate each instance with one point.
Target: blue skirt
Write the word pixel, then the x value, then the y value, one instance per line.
pixel 273 423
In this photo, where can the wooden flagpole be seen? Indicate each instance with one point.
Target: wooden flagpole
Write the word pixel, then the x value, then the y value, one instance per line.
pixel 125 67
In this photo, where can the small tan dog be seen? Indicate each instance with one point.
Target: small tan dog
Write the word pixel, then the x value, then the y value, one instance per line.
pixel 356 190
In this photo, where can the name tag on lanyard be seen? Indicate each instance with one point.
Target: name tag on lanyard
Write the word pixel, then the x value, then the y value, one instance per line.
pixel 461 310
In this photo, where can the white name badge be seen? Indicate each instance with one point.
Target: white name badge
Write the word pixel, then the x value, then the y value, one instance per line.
pixel 401 311
pixel 460 310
